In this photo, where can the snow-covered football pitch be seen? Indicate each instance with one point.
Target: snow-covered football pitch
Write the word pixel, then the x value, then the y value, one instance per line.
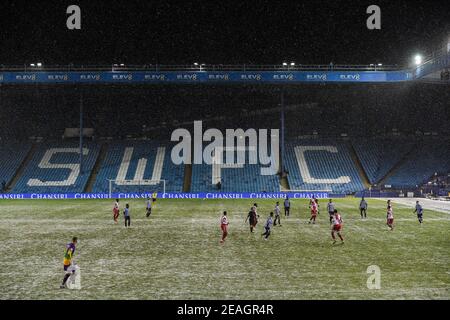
pixel 176 254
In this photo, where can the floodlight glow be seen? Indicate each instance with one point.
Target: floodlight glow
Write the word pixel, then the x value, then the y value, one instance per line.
pixel 380 64
pixel 292 64
pixel 122 64
pixel 32 65
pixel 418 59
pixel 39 64
pixel 195 63
pixel 284 64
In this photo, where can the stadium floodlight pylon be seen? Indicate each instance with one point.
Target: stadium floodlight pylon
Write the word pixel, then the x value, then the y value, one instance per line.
pixel 144 185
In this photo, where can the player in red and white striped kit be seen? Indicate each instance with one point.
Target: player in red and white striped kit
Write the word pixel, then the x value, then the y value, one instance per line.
pixel 314 211
pixel 336 226
pixel 315 201
pixel 390 217
pixel 116 211
pixel 224 226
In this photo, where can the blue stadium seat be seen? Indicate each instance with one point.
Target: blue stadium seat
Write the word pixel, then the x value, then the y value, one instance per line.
pixel 379 156
pixel 428 158
pixel 234 178
pixel 135 157
pixel 12 154
pixel 53 168
pixel 321 165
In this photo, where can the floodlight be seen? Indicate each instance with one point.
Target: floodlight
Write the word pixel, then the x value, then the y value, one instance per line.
pixel 418 60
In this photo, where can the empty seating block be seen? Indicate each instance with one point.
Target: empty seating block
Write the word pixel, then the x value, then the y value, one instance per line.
pixel 321 165
pixel 426 159
pixel 55 168
pixel 234 177
pixel 246 178
pixel 12 154
pixel 139 166
pixel 379 156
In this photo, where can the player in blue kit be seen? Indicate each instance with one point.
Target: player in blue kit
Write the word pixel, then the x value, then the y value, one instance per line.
pixel 126 215
pixel 268 226
pixel 419 211
pixel 149 207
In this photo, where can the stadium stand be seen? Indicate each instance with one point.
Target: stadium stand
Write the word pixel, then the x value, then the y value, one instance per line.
pixel 312 164
pixel 379 156
pixel 321 165
pixel 12 154
pixel 362 112
pixel 54 168
pixel 138 161
pixel 429 157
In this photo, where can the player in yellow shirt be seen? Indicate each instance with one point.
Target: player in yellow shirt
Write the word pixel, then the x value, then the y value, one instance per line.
pixel 68 255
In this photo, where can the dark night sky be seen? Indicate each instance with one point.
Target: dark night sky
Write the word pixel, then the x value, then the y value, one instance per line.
pixel 181 32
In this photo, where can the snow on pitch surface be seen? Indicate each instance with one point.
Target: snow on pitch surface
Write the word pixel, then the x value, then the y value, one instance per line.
pixel 436 205
pixel 176 253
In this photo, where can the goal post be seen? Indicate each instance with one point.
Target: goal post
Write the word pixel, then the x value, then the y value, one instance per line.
pixel 130 186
